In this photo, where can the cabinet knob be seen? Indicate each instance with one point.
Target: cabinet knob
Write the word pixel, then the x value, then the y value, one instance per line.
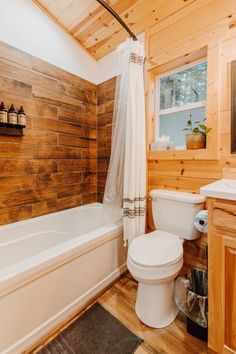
pixel 232 250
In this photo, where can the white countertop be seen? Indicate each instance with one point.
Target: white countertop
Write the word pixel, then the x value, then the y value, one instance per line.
pixel 223 189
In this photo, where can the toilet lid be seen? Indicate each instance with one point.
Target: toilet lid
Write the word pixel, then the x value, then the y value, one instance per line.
pixel 159 248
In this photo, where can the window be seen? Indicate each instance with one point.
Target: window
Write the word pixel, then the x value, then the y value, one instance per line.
pixel 180 93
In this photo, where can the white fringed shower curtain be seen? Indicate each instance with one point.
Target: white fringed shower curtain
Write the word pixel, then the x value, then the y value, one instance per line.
pixel 126 180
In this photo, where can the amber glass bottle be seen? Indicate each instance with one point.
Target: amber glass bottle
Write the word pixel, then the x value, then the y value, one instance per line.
pixel 21 118
pixel 3 115
pixel 12 117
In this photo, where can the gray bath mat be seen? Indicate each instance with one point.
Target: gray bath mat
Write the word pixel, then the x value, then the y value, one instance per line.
pixel 95 332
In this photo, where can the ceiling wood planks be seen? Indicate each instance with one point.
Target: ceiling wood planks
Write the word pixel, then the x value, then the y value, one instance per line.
pixel 96 30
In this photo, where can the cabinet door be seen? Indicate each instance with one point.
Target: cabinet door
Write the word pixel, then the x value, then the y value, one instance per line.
pixel 230 295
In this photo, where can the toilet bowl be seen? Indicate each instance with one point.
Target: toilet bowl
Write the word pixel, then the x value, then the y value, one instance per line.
pixel 155 259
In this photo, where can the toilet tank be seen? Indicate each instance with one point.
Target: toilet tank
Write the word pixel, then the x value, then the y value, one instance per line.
pixel 174 212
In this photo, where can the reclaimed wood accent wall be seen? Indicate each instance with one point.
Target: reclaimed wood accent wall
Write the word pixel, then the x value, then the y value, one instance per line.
pixel 105 101
pixel 53 166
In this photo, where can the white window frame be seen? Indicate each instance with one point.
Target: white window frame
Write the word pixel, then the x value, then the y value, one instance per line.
pixel 184 107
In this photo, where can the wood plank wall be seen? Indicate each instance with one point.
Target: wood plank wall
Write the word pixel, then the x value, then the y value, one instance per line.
pixel 210 23
pixel 202 23
pixel 49 157
pixel 195 252
pixel 53 166
pixel 105 98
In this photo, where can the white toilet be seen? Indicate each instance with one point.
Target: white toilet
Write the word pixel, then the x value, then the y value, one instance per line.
pixel 155 259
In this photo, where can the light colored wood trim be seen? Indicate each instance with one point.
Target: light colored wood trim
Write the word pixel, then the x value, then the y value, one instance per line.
pixel 200 154
pixel 181 108
pixel 215 285
pixel 229 292
pixel 224 217
pixel 211 152
pixel 227 350
pixel 184 66
pixel 219 243
pixel 181 60
pixel 152 72
pixel 229 173
pixel 147 88
pixel 150 109
pixel 54 19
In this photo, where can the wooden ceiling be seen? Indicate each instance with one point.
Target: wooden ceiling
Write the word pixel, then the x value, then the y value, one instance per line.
pixel 96 30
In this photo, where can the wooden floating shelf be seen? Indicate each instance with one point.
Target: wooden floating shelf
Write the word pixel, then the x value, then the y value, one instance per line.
pixel 14 131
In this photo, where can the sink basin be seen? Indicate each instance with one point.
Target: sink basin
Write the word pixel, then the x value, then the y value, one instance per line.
pixel 231 184
pixel 223 189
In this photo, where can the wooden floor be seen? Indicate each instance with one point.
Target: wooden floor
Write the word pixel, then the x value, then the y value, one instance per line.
pixel 120 301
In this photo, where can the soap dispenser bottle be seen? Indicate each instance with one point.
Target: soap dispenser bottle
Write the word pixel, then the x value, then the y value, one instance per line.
pixel 3 115
pixel 21 118
pixel 12 117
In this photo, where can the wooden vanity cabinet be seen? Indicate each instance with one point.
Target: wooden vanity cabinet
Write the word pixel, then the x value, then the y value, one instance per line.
pixel 222 275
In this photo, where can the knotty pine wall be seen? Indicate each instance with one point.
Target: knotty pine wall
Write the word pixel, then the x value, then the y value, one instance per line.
pixel 53 166
pixel 210 23
pixel 202 23
pixel 195 252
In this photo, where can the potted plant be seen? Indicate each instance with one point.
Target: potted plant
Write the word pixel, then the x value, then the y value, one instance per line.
pixel 196 138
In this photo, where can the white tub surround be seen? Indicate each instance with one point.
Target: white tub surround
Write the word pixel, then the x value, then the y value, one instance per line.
pixel 50 267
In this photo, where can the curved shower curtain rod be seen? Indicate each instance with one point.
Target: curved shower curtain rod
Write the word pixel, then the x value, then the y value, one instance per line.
pixel 115 14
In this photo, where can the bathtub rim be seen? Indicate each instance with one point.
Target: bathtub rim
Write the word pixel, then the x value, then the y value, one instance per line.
pixel 23 272
pixel 50 215
pixel 21 343
pixel 22 276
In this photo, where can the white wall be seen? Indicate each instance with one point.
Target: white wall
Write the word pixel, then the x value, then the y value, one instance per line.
pixel 108 66
pixel 26 27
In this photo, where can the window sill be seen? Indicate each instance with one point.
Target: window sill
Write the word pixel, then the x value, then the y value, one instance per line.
pixel 199 154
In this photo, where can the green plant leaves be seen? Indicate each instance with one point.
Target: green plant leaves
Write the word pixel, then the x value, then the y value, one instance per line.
pixel 203 127
pixel 196 130
pixel 200 128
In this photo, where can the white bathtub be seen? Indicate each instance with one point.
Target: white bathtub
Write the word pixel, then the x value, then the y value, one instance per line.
pixel 50 267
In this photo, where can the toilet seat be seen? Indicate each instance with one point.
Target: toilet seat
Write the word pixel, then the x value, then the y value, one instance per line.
pixel 156 250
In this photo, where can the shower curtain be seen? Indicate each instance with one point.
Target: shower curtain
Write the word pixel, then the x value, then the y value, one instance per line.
pixel 125 190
